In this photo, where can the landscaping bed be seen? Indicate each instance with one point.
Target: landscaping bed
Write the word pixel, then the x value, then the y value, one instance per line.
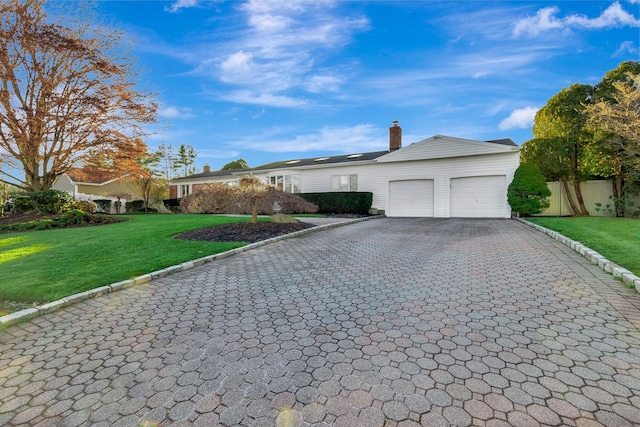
pixel 243 232
pixel 32 221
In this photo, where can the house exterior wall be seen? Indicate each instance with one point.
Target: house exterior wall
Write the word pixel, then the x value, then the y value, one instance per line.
pixel 109 189
pixel 64 183
pixel 375 177
pixel 442 147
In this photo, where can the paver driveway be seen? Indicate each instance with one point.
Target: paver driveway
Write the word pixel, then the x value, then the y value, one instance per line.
pixel 390 322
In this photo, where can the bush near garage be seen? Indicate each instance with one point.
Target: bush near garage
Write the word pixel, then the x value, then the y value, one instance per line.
pixel 341 202
pixel 528 193
pixel 225 199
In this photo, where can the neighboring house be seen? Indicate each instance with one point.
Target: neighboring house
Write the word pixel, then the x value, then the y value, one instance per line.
pixel 83 187
pixel 439 177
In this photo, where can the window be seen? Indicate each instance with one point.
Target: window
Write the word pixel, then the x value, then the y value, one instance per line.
pixel 286 183
pixel 344 182
pixel 184 190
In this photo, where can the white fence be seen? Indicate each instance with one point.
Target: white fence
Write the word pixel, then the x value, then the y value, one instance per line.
pixel 592 191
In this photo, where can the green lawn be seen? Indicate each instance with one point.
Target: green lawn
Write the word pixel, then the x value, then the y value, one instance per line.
pixel 617 239
pixel 43 266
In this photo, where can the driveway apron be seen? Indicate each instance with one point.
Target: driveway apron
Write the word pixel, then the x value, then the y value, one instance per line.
pixel 389 322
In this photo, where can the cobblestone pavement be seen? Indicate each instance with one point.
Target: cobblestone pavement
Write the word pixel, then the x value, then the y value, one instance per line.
pixel 389 322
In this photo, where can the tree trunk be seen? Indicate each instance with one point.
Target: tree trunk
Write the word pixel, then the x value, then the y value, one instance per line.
pixel 572 203
pixel 578 190
pixel 617 184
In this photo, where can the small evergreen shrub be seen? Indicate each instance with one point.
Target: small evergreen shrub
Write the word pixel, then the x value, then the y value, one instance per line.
pixel 52 201
pixel 341 202
pixel 21 204
pixel 103 205
pixel 528 193
pixel 72 217
pixel 134 206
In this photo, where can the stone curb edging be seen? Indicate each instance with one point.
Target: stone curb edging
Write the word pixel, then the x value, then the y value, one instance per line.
pixel 30 313
pixel 620 273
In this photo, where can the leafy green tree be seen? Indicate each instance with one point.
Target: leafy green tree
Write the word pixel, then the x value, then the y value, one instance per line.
pixel 236 164
pixel 528 193
pixel 614 118
pixel 561 137
pixel 185 159
pixel 166 164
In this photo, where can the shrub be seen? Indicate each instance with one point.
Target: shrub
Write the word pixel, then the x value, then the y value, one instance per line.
pixel 85 206
pixel 172 204
pixel 528 192
pixel 21 204
pixel 72 217
pixel 103 205
pixel 52 201
pixel 341 202
pixel 225 199
pixel 134 206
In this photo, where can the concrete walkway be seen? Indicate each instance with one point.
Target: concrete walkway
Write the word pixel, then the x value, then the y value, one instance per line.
pixel 389 322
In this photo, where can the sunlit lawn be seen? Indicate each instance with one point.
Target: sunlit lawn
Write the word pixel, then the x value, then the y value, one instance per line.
pixel 43 266
pixel 617 239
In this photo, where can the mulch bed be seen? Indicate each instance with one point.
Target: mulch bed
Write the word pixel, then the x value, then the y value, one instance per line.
pixel 243 232
pixel 12 218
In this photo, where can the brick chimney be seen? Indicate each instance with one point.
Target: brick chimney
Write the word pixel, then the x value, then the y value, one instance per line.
pixel 395 137
pixel 206 169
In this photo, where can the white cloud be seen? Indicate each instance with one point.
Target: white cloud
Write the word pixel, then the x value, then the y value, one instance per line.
pixel 180 4
pixel 521 118
pixel 263 99
pixel 627 47
pixel 546 19
pixel 359 138
pixel 323 83
pixel 171 112
pixel 280 48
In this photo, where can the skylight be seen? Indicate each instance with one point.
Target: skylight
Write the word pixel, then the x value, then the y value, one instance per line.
pixel 292 162
pixel 320 159
pixel 354 156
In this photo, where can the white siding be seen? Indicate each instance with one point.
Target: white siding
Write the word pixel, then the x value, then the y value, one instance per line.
pixel 64 183
pixel 440 147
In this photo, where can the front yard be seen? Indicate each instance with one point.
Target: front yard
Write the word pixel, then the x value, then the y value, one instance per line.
pixel 617 239
pixel 44 266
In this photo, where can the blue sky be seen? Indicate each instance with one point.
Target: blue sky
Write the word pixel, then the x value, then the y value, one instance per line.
pixel 270 80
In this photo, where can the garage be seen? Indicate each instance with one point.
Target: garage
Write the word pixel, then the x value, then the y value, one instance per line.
pixel 479 197
pixel 411 198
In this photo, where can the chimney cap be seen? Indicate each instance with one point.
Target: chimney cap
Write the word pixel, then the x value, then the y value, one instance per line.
pixel 395 123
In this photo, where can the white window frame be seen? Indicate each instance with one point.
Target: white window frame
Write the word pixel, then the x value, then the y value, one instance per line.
pixel 289 183
pixel 184 190
pixel 344 183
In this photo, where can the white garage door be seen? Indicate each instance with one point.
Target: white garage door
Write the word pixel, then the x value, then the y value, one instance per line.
pixel 411 198
pixel 479 197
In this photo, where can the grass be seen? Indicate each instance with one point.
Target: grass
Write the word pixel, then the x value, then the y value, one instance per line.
pixel 617 239
pixel 44 266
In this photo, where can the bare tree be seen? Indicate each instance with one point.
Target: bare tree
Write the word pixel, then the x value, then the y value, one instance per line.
pixel 66 91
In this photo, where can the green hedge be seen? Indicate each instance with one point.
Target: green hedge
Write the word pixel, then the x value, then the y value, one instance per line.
pixel 172 204
pixel 341 202
pixel 104 205
pixel 134 206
